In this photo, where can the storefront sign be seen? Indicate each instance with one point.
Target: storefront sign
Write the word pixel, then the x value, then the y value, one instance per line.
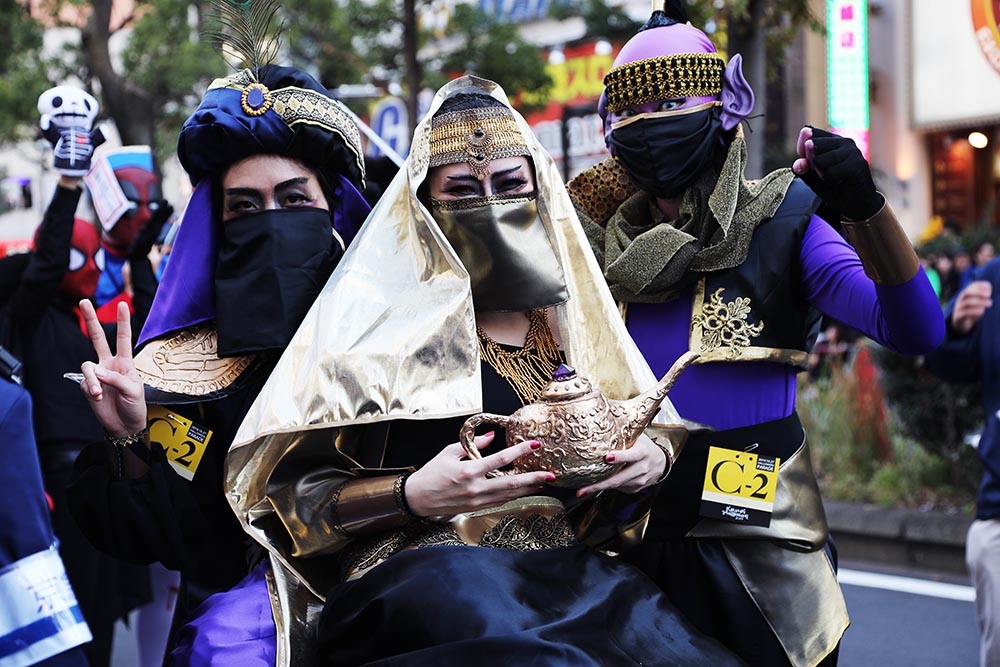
pixel 955 61
pixel 847 65
pixel 984 20
pixel 577 84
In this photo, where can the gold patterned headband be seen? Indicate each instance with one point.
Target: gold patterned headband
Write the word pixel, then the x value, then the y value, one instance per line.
pixel 476 136
pixel 663 77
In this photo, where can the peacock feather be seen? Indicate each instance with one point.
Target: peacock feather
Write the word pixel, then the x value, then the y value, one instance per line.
pixel 245 30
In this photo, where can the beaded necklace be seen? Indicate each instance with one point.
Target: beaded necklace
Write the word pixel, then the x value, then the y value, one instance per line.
pixel 529 369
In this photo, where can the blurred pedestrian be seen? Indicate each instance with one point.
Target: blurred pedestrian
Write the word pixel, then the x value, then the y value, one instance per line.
pixel 971 353
pixel 984 253
pixel 981 255
pixel 944 264
pixel 927 262
pixel 41 623
pixel 830 352
pixel 963 262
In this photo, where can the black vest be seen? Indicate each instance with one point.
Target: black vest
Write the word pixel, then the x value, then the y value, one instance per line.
pixel 755 311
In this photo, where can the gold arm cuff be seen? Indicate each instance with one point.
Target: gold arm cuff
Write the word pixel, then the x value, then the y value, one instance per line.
pixel 371 505
pixel 886 253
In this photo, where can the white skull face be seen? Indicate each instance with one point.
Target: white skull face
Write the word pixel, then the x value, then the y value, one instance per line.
pixel 66 106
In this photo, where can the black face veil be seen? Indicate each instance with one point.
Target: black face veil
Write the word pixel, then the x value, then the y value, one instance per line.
pixel 271 267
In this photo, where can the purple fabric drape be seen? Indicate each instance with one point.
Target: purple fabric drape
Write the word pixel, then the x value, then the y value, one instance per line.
pixel 234 628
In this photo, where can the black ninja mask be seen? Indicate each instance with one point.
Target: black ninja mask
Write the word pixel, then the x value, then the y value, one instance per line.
pixel 665 152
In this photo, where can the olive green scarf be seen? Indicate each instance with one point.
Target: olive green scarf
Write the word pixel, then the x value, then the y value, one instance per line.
pixel 648 259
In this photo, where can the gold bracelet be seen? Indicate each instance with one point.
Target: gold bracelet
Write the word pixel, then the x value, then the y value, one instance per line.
pixel 670 460
pixel 135 443
pixel 399 495
pixel 367 505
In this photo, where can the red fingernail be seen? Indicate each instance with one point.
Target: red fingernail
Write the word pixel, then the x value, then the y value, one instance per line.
pixel 550 478
pixel 610 458
pixel 489 434
pixel 535 444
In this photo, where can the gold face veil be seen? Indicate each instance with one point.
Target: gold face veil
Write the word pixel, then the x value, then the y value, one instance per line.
pixel 393 335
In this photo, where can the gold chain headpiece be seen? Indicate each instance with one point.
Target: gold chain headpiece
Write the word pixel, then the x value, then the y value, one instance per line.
pixel 476 136
pixel 663 77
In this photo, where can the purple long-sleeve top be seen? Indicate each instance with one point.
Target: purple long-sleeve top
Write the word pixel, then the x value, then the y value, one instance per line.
pixel 906 318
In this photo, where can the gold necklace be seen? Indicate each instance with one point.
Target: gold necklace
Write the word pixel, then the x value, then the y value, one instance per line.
pixel 529 369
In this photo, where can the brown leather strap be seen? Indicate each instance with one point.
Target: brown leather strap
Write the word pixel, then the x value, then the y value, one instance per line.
pixel 885 251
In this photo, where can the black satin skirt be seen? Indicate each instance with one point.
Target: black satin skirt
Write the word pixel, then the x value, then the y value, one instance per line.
pixel 454 605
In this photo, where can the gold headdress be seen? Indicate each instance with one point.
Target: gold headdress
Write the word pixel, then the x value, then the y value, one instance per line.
pixel 476 136
pixel 663 77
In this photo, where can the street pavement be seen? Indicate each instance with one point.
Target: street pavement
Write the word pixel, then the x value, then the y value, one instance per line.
pixel 914 620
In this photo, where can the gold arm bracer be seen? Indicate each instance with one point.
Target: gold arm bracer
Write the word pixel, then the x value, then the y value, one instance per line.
pixel 371 505
pixel 886 253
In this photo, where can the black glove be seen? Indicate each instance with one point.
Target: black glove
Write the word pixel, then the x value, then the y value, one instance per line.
pixel 73 148
pixel 144 240
pixel 842 178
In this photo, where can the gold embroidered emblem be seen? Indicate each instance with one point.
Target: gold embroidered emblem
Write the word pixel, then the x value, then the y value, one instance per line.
pixel 187 363
pixel 725 326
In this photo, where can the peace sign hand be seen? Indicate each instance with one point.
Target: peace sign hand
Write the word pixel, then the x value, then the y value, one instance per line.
pixel 112 385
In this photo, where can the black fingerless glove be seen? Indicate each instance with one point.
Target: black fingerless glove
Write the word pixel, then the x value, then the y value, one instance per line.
pixel 842 178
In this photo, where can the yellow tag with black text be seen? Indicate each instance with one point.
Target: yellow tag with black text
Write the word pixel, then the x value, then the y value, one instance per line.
pixel 739 487
pixel 183 440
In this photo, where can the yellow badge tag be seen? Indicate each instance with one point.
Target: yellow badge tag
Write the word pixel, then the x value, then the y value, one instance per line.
pixel 739 487
pixel 182 439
